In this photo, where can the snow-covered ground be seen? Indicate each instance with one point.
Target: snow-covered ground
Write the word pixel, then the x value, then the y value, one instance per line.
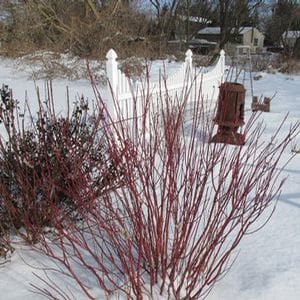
pixel 268 263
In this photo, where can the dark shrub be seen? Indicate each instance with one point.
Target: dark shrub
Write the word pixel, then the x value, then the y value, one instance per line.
pixel 42 160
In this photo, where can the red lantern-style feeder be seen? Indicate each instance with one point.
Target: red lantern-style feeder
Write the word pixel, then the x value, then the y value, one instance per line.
pixel 230 114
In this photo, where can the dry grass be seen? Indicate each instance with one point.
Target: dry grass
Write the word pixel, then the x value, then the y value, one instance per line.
pixel 49 65
pixel 290 66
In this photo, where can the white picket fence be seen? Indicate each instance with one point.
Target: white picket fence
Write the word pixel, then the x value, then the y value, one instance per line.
pixel 124 97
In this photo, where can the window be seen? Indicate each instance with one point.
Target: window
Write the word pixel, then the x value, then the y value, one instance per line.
pixel 255 43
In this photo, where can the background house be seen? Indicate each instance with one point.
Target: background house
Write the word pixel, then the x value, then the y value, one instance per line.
pixel 185 28
pixel 189 25
pixel 249 37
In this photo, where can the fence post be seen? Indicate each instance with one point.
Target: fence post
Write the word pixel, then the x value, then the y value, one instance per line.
pixel 189 73
pixel 222 62
pixel 189 60
pixel 112 70
pixel 112 81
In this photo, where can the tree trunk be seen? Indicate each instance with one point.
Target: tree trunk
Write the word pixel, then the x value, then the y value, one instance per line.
pixel 296 50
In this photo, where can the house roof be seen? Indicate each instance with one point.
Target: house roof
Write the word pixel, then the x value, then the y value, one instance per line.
pixel 202 42
pixel 217 30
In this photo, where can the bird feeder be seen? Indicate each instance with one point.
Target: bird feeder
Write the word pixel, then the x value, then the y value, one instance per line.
pixel 230 114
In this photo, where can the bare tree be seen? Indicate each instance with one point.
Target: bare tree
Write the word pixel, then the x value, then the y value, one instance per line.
pixel 84 28
pixel 194 11
pixel 165 12
pixel 285 16
pixel 234 14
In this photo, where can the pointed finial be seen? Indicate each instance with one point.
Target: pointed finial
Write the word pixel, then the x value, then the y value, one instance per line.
pixel 188 54
pixel 111 54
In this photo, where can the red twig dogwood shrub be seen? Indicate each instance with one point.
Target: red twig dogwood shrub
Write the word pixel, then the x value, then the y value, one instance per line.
pixel 182 205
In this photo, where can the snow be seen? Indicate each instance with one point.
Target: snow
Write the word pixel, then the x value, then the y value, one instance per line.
pixel 268 263
pixel 267 266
